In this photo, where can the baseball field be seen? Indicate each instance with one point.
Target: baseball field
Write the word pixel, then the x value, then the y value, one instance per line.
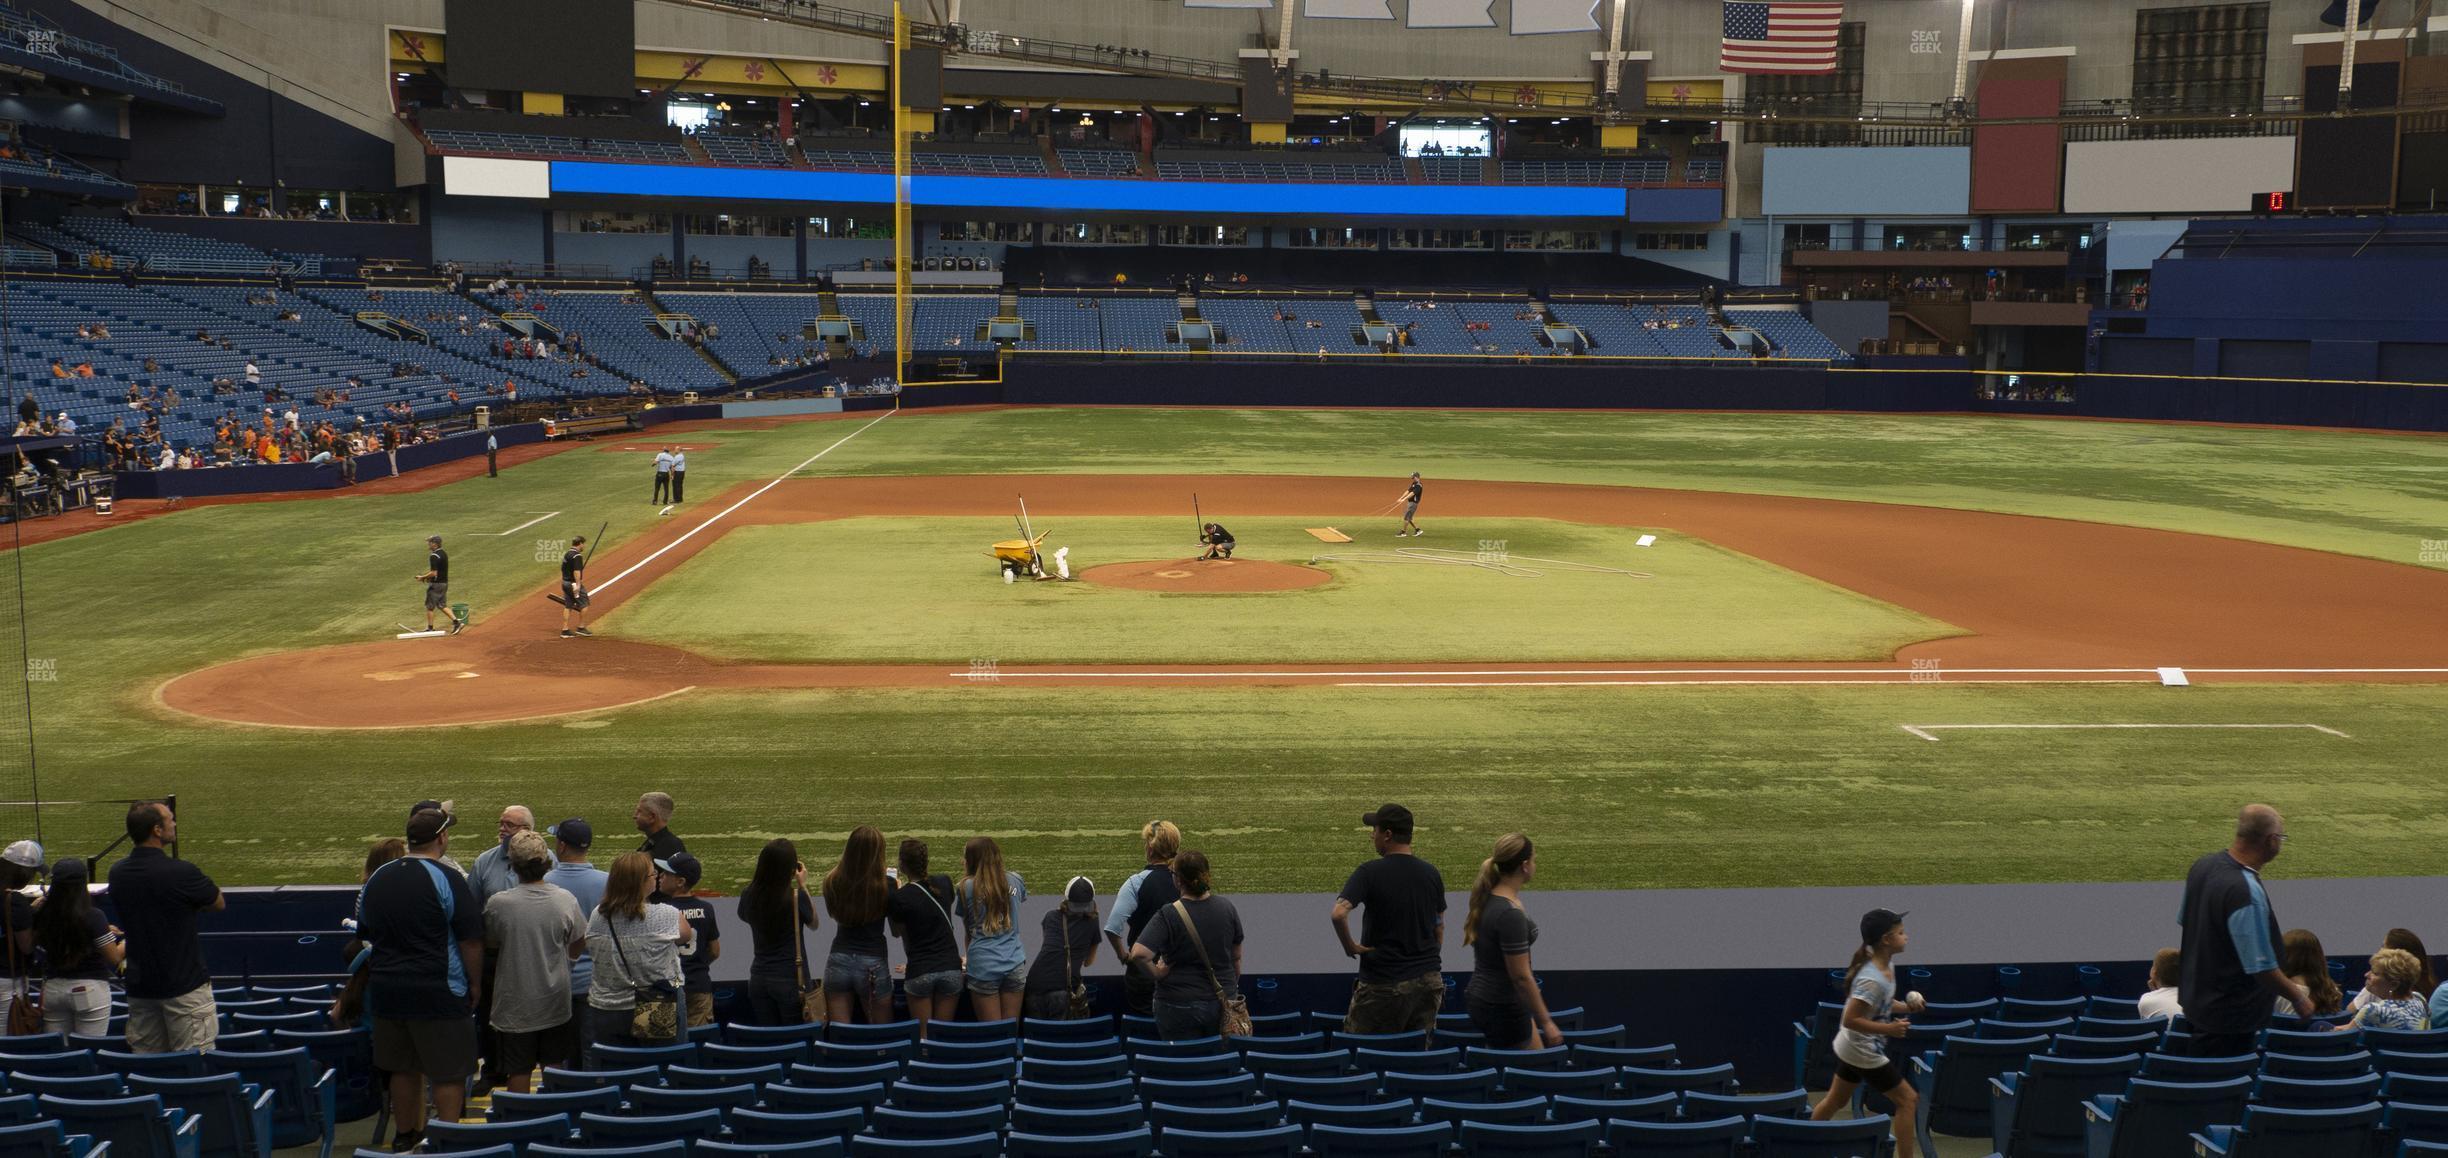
pixel 1853 650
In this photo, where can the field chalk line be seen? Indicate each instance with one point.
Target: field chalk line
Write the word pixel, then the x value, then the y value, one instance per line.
pixel 691 533
pixel 1924 730
pixel 523 526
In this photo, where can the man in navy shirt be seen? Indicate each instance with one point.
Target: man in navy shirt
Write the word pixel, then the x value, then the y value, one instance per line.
pixel 170 999
pixel 2230 949
pixel 425 977
pixel 1401 899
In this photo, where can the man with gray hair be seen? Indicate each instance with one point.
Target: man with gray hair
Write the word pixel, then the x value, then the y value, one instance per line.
pixel 530 929
pixel 653 817
pixel 492 872
pixel 2231 969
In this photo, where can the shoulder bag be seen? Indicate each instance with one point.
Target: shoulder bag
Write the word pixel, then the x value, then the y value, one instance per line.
pixel 1236 1019
pixel 811 985
pixel 951 931
pixel 25 1016
pixel 655 1019
pixel 1078 992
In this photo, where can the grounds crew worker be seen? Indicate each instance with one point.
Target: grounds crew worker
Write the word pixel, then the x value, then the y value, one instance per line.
pixel 437 583
pixel 573 589
pixel 1219 541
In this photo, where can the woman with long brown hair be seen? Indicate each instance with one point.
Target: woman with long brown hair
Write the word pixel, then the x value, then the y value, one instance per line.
pixel 857 974
pixel 82 952
pixel 921 912
pixel 636 946
pixel 1193 949
pixel 1503 996
pixel 776 907
pixel 998 962
pixel 2302 958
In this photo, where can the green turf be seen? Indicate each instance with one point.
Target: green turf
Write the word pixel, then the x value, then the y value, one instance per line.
pixel 2379 495
pixel 1690 786
pixel 1698 601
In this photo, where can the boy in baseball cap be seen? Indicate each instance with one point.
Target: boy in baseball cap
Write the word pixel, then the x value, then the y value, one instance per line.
pixel 676 880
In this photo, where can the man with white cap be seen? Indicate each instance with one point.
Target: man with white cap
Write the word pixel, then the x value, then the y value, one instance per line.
pixel 21 867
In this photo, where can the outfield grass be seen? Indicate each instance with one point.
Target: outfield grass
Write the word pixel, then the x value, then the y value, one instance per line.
pixel 1668 786
pixel 746 598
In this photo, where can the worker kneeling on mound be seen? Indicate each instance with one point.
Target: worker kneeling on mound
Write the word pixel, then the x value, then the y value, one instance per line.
pixel 1219 541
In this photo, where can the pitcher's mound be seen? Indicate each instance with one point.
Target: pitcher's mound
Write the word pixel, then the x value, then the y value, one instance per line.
pixel 1207 577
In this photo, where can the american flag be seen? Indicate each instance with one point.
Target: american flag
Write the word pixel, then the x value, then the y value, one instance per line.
pixel 1780 35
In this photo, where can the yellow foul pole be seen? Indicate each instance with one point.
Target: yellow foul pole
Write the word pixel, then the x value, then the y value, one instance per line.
pixel 901 198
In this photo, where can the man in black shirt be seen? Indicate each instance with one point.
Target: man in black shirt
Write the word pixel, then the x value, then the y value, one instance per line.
pixel 1402 931
pixel 1219 541
pixel 424 979
pixel 437 583
pixel 1410 500
pixel 653 817
pixel 675 885
pixel 170 999
pixel 573 589
pixel 2231 968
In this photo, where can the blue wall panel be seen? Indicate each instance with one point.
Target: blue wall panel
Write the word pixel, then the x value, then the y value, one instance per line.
pixel 485 233
pixel 619 252
pixel 1863 182
pixel 1088 195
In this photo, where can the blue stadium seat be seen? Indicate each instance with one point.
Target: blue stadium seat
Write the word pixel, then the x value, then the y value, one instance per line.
pixel 767 1127
pixel 806 1148
pixel 19 1110
pixel 675 1148
pixel 1639 1080
pixel 1954 1083
pixel 33 1043
pixel 1650 1056
pixel 1136 1143
pixel 1271 1142
pixel 792 1099
pixel 1084 1030
pixel 1802 1138
pixel 2316 1093
pixel 1468 1086
pixel 929 1073
pixel 1426 1140
pixel 451 1137
pixel 852 1055
pixel 1607 1036
pixel 66 1086
pixel 1518 1059
pixel 1530 1140
pixel 701 1078
pixel 1420 1061
pixel 347 1053
pixel 1220 1065
pixel 1722 1138
pixel 1288 1024
pixel 834 1077
pixel 2310 1043
pixel 2404 1122
pixel 1087 1069
pixel 1510 1111
pixel 1084 1123
pixel 1358 1116
pixel 2080 1046
pixel 742 1034
pixel 1164 1116
pixel 2159 1117
pixel 59 1063
pixel 629 1057
pixel 644 1130
pixel 2399 1040
pixel 1413 1040
pixel 2171 1067
pixel 958 1052
pixel 779 1053
pixel 2429 1089
pixel 1186 1047
pixel 133 1127
pixel 998 1030
pixel 1701 1104
pixel 1239 1089
pixel 1997 1028
pixel 510 1106
pixel 237 1118
pixel 1597 1081
pixel 918 1096
pixel 1283 1043
pixel 2274 1132
pixel 2344 1065
pixel 888 1122
pixel 46 1139
pixel 1580 1108
pixel 655 1101
pixel 2432 1063
pixel 1052 1049
pixel 1320 1063
pixel 2038 1112
pixel 556 1078
pixel 1076 1094
pixel 2089 1025
pixel 844 1033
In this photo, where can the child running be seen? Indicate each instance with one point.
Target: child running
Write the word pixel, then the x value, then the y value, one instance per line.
pixel 1869 1019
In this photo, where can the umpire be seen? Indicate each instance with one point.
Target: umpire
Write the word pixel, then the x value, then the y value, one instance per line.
pixel 663 478
pixel 437 583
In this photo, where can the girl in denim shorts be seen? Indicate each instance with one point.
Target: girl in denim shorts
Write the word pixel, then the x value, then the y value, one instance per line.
pixel 856 974
pixel 998 963
pixel 921 915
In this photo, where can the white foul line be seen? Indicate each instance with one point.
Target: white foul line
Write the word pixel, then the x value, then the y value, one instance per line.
pixel 523 526
pixel 606 585
pixel 1924 730
pixel 1662 683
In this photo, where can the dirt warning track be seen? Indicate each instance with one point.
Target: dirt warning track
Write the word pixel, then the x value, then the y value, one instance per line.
pixel 2043 599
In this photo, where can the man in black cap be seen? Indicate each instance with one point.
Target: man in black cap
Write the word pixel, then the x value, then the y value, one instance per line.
pixel 1402 931
pixel 424 978
pixel 676 880
pixel 437 583
pixel 450 819
pixel 573 589
pixel 572 840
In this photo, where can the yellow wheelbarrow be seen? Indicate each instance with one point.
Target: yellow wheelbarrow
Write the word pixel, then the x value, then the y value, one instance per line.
pixel 1020 555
